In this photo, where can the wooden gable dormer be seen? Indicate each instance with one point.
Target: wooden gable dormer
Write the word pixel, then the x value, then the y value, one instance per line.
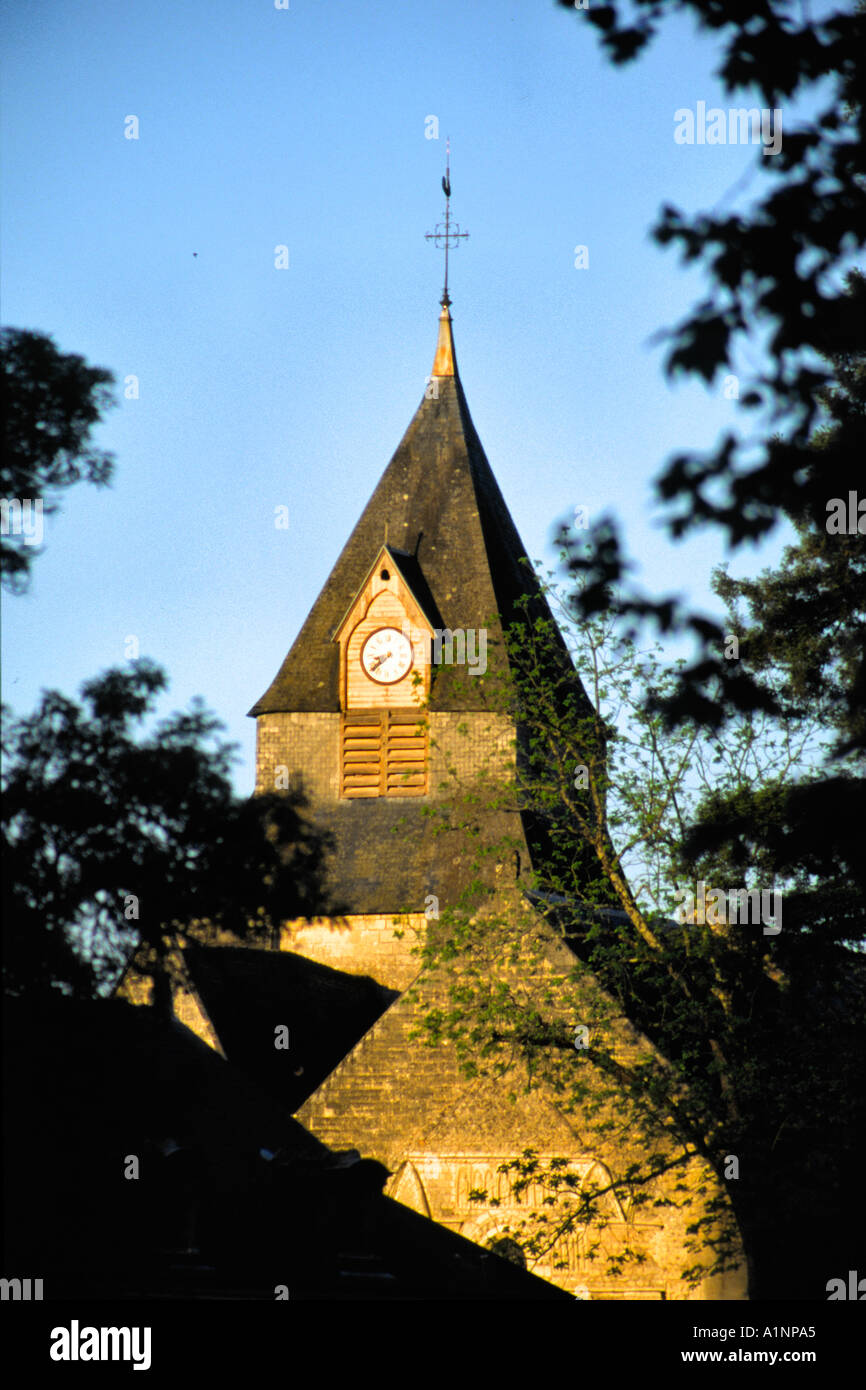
pixel 384 640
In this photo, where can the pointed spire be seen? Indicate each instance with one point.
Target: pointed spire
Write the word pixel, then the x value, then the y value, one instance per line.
pixel 446 236
pixel 444 363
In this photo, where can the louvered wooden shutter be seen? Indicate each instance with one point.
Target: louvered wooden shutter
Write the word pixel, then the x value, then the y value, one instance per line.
pixel 361 760
pixel 383 753
pixel 405 754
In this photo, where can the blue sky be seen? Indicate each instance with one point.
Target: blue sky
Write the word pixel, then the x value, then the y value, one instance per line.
pixel 262 387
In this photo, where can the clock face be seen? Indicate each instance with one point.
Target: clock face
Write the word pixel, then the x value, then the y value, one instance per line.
pixel 387 655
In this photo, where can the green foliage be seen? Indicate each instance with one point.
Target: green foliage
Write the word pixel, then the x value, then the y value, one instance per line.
pixel 747 1057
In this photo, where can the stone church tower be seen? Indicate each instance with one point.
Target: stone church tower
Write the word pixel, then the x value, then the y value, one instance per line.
pixel 386 697
pixel 386 702
pixel 382 705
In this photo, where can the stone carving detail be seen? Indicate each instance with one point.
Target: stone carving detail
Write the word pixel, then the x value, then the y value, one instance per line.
pixel 439 1186
pixel 406 1187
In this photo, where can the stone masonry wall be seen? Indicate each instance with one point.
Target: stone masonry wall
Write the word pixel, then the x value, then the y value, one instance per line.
pixel 381 947
pixel 306 747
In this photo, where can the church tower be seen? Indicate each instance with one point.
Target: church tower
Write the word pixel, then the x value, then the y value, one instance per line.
pixel 388 702
pixel 392 693
pixel 389 691
pixel 384 704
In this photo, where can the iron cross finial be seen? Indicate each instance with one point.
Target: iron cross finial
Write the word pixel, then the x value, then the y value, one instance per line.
pixel 446 235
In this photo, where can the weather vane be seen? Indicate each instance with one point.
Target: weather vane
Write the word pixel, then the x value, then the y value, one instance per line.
pixel 446 235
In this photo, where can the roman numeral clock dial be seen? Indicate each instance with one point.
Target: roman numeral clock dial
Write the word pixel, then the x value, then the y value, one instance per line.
pixel 387 655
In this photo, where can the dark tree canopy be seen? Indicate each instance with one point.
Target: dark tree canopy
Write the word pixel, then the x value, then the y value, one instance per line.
pixel 113 841
pixel 51 402
pixel 775 268
pixel 778 279
pixel 805 622
pixel 802 629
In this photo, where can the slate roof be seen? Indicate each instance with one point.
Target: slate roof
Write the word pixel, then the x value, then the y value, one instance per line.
pixel 347 1108
pixel 388 855
pixel 439 504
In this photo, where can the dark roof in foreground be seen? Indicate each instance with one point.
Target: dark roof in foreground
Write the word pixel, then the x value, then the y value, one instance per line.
pixel 247 992
pixel 222 1167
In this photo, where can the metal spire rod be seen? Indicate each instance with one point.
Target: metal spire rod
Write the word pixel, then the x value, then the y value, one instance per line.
pixel 445 236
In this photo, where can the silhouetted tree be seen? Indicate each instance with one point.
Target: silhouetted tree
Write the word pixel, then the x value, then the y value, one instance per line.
pixel 113 842
pixel 51 402
pixel 776 277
